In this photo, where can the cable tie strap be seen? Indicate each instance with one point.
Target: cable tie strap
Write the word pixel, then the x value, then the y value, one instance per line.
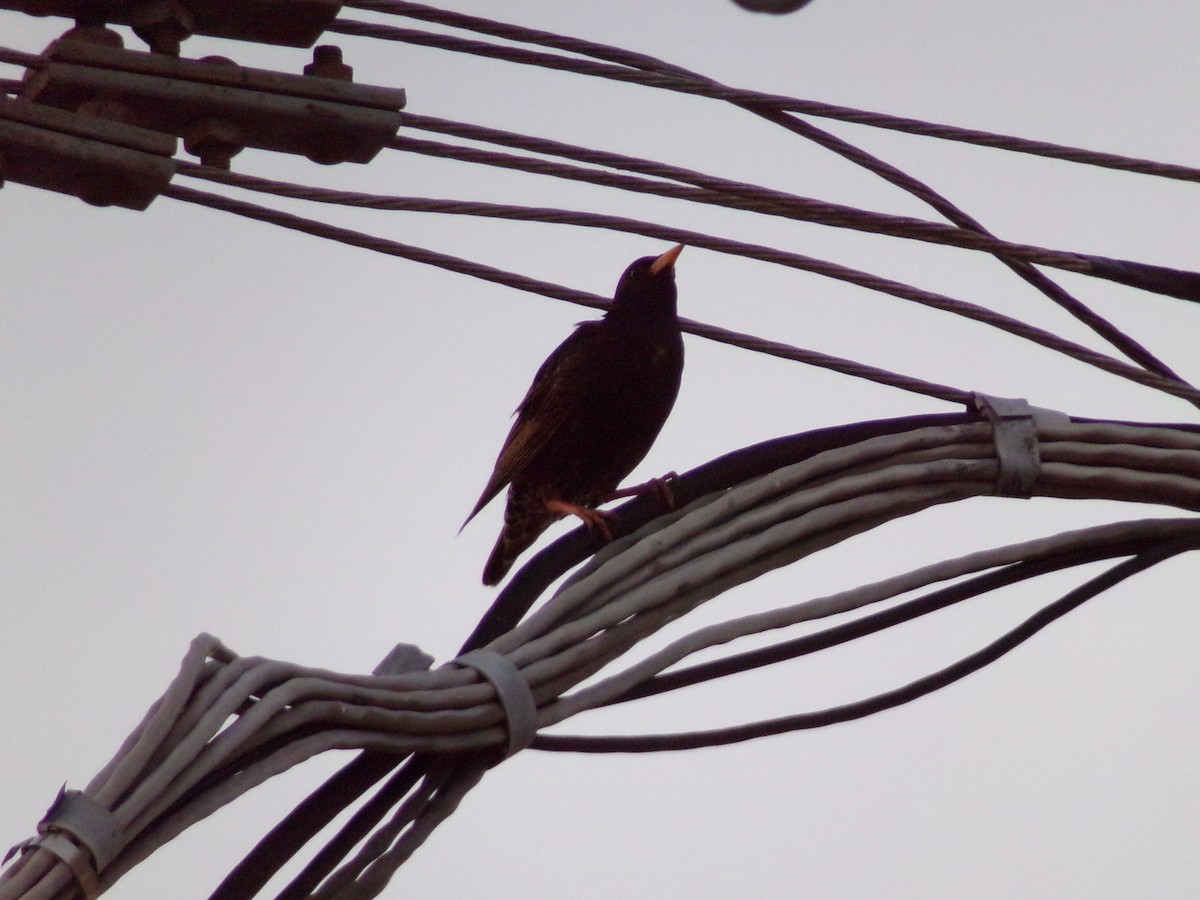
pixel 89 822
pixel 520 709
pixel 74 856
pixel 82 833
pixel 1013 421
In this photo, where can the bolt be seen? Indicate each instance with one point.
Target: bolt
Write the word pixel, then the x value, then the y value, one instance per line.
pixel 163 25
pixel 215 141
pixel 327 63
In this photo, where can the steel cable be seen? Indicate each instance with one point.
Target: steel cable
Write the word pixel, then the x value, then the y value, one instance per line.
pixel 655 73
pixel 753 251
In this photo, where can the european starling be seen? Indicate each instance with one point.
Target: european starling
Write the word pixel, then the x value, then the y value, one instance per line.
pixel 593 411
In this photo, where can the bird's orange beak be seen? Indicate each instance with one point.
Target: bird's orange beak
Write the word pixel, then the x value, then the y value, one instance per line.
pixel 666 260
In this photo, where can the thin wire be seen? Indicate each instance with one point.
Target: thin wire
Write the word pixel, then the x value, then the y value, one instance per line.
pixel 918 127
pixel 558 292
pixel 1185 285
pixel 745 197
pixel 1119 270
pixel 775 109
pixel 656 73
pixel 801 208
pixel 753 251
pixel 1071 262
pixel 792 104
pixel 1126 344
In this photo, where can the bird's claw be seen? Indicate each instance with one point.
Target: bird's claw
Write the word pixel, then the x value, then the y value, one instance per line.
pixel 596 520
pixel 658 486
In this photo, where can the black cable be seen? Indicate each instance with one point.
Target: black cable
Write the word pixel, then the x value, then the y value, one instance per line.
pixel 326 802
pixel 880 702
pixel 304 822
pixel 406 777
pixel 547 566
pixel 875 622
pixel 510 606
pixel 1178 283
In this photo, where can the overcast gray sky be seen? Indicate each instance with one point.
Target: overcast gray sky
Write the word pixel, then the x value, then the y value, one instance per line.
pixel 215 425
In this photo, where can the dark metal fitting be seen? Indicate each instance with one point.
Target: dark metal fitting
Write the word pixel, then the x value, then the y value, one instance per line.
pixel 163 25
pixel 215 141
pixel 106 108
pixel 98 34
pixel 327 63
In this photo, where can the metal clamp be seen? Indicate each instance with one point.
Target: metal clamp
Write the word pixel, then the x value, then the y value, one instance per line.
pixel 164 23
pixel 102 162
pixel 220 107
pixel 82 833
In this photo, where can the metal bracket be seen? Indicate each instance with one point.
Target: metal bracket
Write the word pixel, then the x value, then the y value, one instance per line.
pixel 219 107
pixel 82 833
pixel 103 163
pixel 163 23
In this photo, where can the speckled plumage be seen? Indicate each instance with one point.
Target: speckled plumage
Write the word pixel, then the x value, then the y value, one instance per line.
pixel 593 411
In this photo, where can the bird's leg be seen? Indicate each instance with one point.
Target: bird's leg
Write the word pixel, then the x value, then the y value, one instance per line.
pixel 658 486
pixel 596 520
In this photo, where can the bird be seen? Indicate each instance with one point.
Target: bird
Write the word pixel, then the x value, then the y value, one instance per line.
pixel 593 412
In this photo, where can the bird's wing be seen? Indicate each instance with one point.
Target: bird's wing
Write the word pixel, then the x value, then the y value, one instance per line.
pixel 540 415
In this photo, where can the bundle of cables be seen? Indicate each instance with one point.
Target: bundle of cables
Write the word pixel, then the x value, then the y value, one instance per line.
pixel 228 722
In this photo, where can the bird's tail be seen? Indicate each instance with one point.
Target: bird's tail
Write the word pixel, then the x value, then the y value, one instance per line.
pixel 522 526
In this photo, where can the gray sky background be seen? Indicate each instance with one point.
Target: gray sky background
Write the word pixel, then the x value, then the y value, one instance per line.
pixel 211 424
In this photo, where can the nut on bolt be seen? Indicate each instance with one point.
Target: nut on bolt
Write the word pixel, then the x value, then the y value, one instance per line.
pixel 215 141
pixel 327 63
pixel 163 25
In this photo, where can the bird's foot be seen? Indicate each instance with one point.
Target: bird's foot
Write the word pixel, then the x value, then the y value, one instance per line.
pixel 659 486
pixel 596 520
